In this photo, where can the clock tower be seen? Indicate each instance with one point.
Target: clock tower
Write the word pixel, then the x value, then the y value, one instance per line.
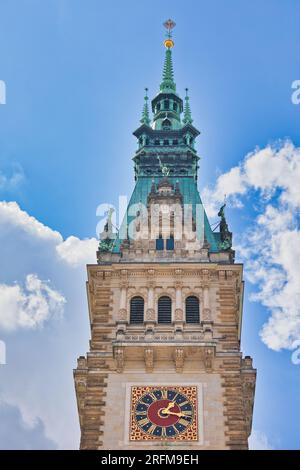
pixel 164 368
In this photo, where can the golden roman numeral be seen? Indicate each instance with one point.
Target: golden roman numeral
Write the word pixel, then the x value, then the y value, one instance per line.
pixel 143 421
pixel 165 394
pixel 183 403
pixel 152 429
pixel 184 422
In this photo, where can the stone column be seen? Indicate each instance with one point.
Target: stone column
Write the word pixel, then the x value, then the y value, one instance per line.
pixel 122 315
pixel 150 311
pixel 178 320
pixel 206 319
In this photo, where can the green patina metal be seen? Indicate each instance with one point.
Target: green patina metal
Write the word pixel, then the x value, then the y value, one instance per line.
pixel 189 190
pixel 168 85
pixel 145 113
pixel 187 115
pixel 167 142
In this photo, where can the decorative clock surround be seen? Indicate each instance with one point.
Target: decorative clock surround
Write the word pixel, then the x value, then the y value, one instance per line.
pixel 164 413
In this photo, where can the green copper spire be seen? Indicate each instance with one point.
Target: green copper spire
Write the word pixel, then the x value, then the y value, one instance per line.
pixel 187 117
pixel 168 83
pixel 145 114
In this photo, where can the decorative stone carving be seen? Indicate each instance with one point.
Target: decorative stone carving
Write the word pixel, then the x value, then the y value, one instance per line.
pixel 148 355
pixel 81 362
pixel 206 315
pixel 122 314
pixel 205 275
pixel 179 359
pixel 150 315
pixel 119 358
pixel 178 314
pixel 248 381
pixel 208 358
pixel 80 385
pixel 120 333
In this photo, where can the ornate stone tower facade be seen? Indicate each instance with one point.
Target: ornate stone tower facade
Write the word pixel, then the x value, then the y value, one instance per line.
pixel 164 369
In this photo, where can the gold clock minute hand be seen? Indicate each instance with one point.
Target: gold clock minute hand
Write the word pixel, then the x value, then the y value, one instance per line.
pixel 170 405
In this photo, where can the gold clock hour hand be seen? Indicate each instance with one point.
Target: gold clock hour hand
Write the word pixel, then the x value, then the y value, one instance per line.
pixel 167 412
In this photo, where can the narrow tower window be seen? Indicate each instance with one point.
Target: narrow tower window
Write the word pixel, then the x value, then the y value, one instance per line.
pixel 137 310
pixel 164 310
pixel 166 125
pixel 192 314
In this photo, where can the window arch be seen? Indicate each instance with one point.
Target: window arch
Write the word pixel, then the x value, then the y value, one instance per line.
pixel 192 311
pixel 166 124
pixel 164 309
pixel 137 309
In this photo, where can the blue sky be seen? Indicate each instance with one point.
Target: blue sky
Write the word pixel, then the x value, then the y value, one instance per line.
pixel 75 73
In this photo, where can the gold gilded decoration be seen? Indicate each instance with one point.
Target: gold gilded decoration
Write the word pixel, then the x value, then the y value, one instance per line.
pixel 168 43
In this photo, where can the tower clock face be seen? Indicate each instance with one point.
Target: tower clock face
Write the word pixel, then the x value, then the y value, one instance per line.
pixel 165 413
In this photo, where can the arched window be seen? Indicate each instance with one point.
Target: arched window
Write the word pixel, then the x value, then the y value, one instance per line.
pixel 166 104
pixel 192 314
pixel 164 309
pixel 166 125
pixel 137 310
pixel 175 106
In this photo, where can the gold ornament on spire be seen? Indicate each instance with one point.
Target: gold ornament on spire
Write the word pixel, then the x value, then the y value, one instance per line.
pixel 169 25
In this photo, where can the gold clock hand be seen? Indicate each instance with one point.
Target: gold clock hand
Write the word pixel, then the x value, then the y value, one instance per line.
pixel 170 405
pixel 180 414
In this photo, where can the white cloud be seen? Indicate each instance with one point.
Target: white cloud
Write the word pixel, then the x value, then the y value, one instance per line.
pixel 41 353
pixel 259 441
pixel 274 167
pixel 11 216
pixel 28 307
pixel 72 251
pixel 77 252
pixel 270 246
pixel 16 434
pixel 9 182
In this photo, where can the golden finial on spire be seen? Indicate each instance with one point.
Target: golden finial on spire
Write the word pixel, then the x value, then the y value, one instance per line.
pixel 169 25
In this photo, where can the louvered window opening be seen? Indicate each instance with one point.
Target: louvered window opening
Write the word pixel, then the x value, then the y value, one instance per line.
pixel 164 310
pixel 137 310
pixel 192 314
